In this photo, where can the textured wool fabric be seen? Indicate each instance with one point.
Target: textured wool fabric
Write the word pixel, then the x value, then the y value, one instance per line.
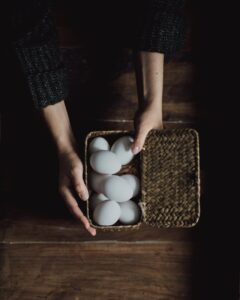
pixel 161 29
pixel 34 37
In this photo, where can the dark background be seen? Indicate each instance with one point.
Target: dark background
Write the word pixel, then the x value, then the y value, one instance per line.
pixel 200 91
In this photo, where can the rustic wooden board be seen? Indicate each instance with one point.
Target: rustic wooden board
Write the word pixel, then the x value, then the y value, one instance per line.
pixel 96 271
pixel 44 252
pixel 112 93
pixel 35 228
pixel 32 210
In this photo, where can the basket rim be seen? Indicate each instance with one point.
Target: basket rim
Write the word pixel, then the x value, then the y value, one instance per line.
pixel 142 202
pixel 90 135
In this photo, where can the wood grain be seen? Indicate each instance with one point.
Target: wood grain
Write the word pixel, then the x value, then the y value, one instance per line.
pixel 112 94
pixel 99 271
pixel 44 252
pixel 58 229
pixel 33 211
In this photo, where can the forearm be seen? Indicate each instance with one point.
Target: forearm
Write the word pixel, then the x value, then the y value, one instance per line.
pixel 70 166
pixel 57 120
pixel 149 76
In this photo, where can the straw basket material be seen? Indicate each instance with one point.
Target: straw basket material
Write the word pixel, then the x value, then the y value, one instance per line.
pixel 169 172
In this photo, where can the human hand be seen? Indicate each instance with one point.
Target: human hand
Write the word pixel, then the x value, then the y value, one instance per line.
pixel 146 119
pixel 71 178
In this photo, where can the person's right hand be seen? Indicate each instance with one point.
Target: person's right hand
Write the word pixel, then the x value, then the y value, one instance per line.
pixel 71 177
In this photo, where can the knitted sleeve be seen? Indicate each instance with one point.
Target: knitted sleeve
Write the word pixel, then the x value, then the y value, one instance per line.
pixel 162 27
pixel 36 44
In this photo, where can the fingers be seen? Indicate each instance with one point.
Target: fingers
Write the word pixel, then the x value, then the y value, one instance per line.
pixel 75 210
pixel 79 184
pixel 145 121
pixel 140 138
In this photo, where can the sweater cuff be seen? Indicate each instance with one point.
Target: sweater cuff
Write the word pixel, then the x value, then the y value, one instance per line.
pixel 45 73
pixel 164 28
pixel 48 88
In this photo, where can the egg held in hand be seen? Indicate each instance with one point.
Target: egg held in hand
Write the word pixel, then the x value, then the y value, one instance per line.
pixel 116 188
pixel 122 149
pixel 134 183
pixel 97 144
pixel 105 162
pixel 107 213
pixel 130 212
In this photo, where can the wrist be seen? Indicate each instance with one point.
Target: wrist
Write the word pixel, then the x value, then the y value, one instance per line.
pixel 66 145
pixel 57 120
pixel 152 103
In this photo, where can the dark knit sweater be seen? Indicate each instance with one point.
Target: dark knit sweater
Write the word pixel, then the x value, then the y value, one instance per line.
pixel 34 36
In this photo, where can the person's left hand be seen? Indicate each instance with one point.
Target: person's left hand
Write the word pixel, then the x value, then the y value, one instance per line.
pixel 146 119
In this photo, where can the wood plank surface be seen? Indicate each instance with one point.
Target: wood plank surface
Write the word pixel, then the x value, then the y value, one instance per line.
pixel 96 271
pixel 39 229
pixel 44 252
pixel 112 94
pixel 31 208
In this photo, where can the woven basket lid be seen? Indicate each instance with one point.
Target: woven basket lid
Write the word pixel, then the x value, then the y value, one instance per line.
pixel 170 178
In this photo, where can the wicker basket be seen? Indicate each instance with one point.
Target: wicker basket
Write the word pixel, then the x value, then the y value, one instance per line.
pixel 168 168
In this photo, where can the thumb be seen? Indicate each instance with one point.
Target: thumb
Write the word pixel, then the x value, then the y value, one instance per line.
pixel 140 138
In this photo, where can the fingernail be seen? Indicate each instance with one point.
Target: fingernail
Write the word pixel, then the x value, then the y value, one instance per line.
pixel 136 150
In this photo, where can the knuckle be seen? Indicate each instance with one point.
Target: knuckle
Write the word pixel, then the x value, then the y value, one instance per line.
pixel 79 188
pixel 76 169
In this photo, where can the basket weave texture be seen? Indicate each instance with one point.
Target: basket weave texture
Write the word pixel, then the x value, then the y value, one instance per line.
pixel 168 167
pixel 170 178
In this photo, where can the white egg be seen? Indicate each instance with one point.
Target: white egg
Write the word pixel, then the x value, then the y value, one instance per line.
pixel 122 149
pixel 130 212
pixel 98 143
pixel 134 183
pixel 116 188
pixel 107 213
pixel 95 199
pixel 96 181
pixel 105 162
